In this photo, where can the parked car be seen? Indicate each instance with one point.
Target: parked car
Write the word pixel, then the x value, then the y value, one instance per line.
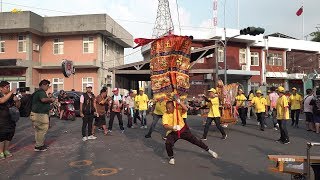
pixel 75 96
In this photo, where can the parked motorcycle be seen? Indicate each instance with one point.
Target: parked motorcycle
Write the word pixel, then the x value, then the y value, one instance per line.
pixel 69 112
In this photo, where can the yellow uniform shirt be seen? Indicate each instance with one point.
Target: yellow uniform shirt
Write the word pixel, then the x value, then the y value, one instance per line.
pixel 268 100
pixel 142 101
pixel 295 101
pixel 171 119
pixel 241 100
pixel 136 103
pixel 214 107
pixel 251 96
pixel 160 108
pixel 259 104
pixel 282 103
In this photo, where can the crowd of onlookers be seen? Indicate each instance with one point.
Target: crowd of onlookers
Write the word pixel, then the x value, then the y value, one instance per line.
pixel 94 110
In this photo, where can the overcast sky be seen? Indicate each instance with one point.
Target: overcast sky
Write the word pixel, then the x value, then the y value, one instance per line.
pixel 138 16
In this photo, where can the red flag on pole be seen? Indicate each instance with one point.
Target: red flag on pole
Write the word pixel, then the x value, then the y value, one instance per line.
pixel 300 11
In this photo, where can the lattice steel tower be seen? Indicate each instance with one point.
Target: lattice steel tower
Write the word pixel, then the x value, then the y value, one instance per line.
pixel 164 22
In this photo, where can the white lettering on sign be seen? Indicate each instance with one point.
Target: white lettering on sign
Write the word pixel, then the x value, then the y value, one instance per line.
pixel 287 159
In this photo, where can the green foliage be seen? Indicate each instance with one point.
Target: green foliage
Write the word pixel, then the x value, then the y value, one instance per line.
pixel 315 36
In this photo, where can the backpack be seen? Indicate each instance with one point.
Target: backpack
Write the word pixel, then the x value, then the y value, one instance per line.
pixel 26 105
pixel 317 104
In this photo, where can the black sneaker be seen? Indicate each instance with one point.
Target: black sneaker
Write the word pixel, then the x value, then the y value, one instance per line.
pixel 41 148
pixel 261 129
pixel 224 137
pixel 147 136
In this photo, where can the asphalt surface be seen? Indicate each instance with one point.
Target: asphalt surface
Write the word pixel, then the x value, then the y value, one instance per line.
pixel 131 156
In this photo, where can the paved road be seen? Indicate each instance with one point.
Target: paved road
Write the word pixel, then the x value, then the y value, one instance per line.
pixel 131 156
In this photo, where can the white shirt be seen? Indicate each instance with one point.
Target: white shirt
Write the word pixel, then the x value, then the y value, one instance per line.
pixel 130 101
pixel 306 103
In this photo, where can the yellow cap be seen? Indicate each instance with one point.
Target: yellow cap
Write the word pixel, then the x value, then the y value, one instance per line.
pixel 258 92
pixel 212 90
pixel 280 89
pixel 241 90
pixel 294 88
pixel 141 89
pixel 134 91
pixel 268 91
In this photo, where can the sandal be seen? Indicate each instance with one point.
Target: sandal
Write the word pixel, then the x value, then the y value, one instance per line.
pixel 2 156
pixel 7 154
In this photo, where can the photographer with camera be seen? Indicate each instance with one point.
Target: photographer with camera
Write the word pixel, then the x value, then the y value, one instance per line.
pixel 7 124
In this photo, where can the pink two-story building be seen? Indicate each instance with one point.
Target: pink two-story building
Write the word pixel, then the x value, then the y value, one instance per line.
pixel 32 48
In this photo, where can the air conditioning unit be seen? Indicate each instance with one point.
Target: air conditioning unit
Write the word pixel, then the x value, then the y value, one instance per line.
pixel 209 56
pixel 243 67
pixel 208 76
pixel 36 47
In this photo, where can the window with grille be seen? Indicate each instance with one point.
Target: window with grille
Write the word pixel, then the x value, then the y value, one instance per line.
pixel 57 84
pixel 242 56
pixel 254 59
pixel 88 45
pixel 22 44
pixel 85 81
pixel 58 46
pixel 2 47
pixel 275 59
pixel 220 54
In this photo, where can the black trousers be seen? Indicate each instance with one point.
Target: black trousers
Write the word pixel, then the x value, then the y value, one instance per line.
pixel 119 116
pixel 243 114
pixel 295 114
pixel 208 124
pixel 186 135
pixel 283 130
pixel 156 118
pixel 87 121
pixel 261 118
pixel 136 116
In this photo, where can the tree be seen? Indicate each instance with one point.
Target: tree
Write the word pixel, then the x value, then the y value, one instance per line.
pixel 315 36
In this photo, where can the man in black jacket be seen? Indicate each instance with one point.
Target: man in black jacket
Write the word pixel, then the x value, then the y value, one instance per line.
pixel 88 110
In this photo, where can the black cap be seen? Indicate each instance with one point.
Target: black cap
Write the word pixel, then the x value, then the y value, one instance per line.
pixel 4 83
pixel 44 82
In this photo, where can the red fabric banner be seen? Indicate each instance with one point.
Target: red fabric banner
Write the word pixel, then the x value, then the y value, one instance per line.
pixel 300 11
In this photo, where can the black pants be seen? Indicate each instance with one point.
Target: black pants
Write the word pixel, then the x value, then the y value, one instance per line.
pixel 208 124
pixel 283 130
pixel 295 114
pixel 261 118
pixel 243 114
pixel 136 116
pixel 186 135
pixel 156 118
pixel 87 121
pixel 119 116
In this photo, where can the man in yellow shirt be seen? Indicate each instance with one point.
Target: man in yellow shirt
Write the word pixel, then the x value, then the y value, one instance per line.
pixel 142 101
pixel 159 110
pixel 295 101
pixel 175 125
pixel 260 106
pixel 240 104
pixel 282 115
pixel 213 115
